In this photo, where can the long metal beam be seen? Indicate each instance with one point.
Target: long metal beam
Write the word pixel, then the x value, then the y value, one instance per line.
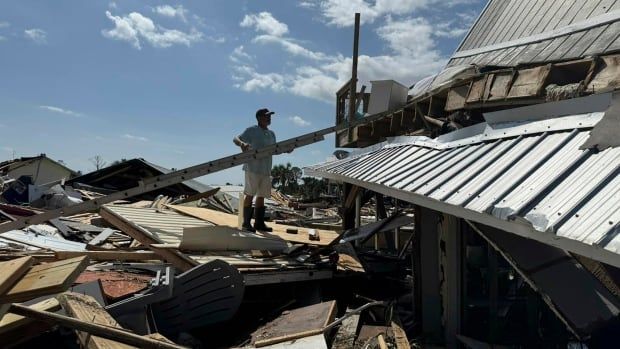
pixel 162 181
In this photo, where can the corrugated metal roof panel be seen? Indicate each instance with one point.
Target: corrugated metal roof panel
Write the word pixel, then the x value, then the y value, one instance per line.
pixel 541 180
pixel 165 226
pixel 573 27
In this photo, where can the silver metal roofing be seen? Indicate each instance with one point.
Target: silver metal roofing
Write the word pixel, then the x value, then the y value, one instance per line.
pixel 530 178
pixel 511 32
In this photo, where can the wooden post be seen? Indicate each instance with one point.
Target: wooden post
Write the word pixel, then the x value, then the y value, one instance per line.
pixel 353 88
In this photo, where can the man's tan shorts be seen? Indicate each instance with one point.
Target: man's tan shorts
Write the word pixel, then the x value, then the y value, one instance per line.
pixel 257 185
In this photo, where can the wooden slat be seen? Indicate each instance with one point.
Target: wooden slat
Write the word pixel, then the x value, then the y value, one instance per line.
pixel 46 279
pixel 220 218
pixel 177 259
pixel 11 271
pixel 297 323
pixel 11 322
pixel 86 308
pixel 109 255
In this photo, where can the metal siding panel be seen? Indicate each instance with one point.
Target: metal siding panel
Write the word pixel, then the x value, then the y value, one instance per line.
pixel 611 32
pixel 566 46
pixel 533 19
pixel 443 167
pixel 369 171
pixel 453 184
pixel 481 181
pixel 366 162
pixel 590 36
pixel 507 20
pixel 598 217
pixel 499 59
pixel 615 45
pixel 534 51
pixel 541 177
pixel 486 30
pixel 555 19
pixel 494 192
pixel 550 49
pixel 571 13
pixel 481 26
pixel 543 18
pixel 513 57
pixel 417 160
pixel 392 163
pixel 421 166
pixel 572 189
pixel 586 10
pixel 516 21
pixel 602 8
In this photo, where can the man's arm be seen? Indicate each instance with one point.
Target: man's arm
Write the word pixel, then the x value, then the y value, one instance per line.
pixel 244 146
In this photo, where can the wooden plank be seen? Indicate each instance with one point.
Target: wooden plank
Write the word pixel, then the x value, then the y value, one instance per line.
pixel 12 322
pixel 456 97
pixel 96 329
pixel 345 337
pixel 500 85
pixel 297 323
pixel 400 337
pixel 86 308
pixel 46 279
pixel 12 271
pixel 114 255
pixel 224 238
pixel 177 259
pixel 101 237
pixel 529 82
pixel 220 218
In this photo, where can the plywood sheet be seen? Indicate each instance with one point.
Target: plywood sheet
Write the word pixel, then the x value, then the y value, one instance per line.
pixel 297 323
pixel 13 270
pixel 529 82
pixel 45 279
pixel 220 218
pixel 224 238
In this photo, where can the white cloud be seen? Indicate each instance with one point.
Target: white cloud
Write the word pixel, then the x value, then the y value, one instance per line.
pixel 299 121
pixel 239 55
pixel 341 13
pixel 135 27
pixel 289 46
pixel 249 80
pixel 264 22
pixel 414 56
pixel 307 4
pixel 5 24
pixel 60 110
pixel 39 36
pixel 135 138
pixel 169 11
pixel 112 5
pixel 217 40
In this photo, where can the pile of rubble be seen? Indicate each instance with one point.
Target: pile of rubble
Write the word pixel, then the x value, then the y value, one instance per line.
pixel 172 269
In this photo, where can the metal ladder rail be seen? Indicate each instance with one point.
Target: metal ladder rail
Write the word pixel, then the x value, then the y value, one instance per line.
pixel 191 172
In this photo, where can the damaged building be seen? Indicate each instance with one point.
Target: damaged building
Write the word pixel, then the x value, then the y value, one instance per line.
pixel 478 208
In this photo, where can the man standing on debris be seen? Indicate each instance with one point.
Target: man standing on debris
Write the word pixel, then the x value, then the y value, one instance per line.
pixel 257 171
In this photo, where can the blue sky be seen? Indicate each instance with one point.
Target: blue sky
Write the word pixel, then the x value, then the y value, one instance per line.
pixel 173 82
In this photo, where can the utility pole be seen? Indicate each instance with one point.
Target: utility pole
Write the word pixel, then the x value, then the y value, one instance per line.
pixel 353 88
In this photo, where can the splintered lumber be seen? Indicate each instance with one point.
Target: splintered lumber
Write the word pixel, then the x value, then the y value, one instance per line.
pixel 345 337
pixel 400 337
pixel 220 218
pixel 116 334
pixel 315 342
pixel 177 258
pixel 12 270
pixel 297 323
pixel 204 195
pixel 86 308
pixel 381 342
pixel 46 279
pixel 114 255
pixel 12 321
